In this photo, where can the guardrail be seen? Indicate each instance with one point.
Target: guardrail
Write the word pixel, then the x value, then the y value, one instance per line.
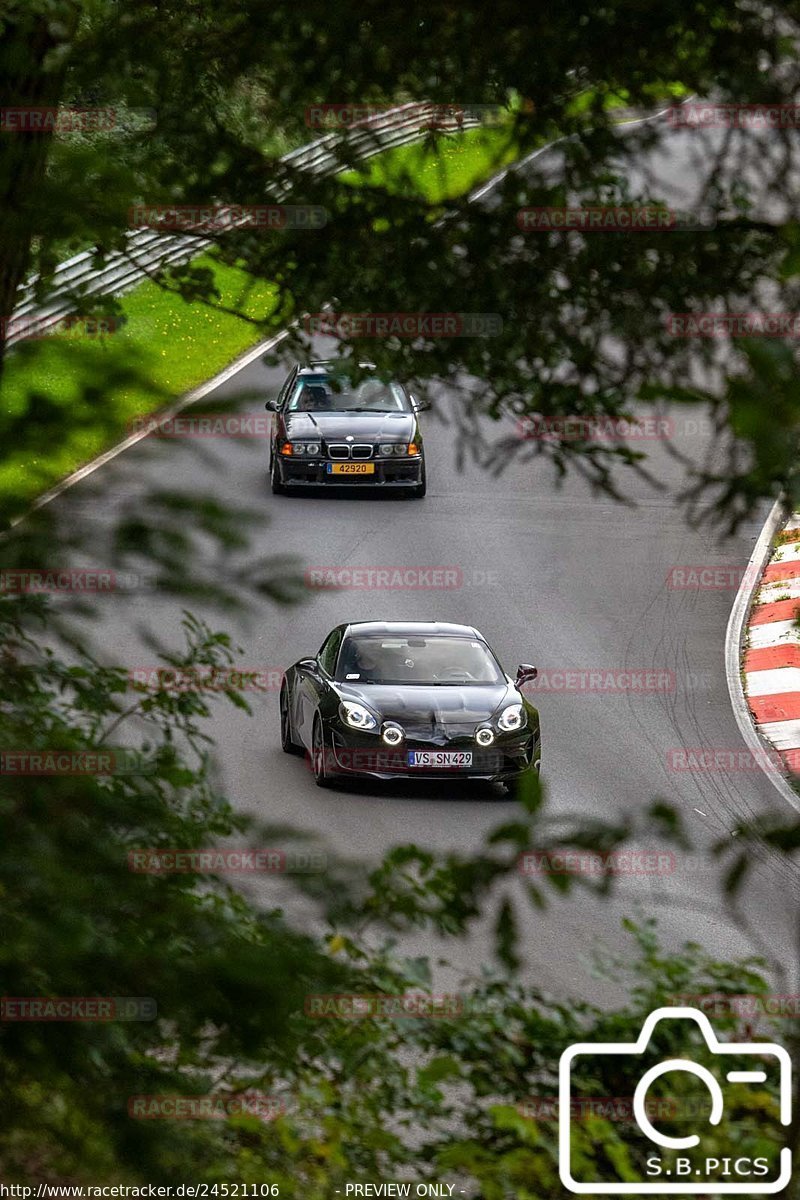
pixel 147 249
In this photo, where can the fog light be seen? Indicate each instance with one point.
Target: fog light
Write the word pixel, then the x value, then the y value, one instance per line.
pixel 392 735
pixel 484 737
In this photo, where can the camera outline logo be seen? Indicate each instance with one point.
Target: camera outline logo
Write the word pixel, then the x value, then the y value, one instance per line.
pixel 704 1186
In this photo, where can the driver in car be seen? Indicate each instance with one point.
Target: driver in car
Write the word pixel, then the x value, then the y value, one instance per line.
pixel 364 663
pixel 316 398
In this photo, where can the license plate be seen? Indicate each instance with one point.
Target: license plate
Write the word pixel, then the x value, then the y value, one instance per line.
pixel 440 758
pixel 351 468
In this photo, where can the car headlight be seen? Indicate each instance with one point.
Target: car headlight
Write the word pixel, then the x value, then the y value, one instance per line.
pixel 312 447
pixel 484 736
pixel 356 715
pixel 301 448
pixel 511 718
pixel 387 449
pixel 392 735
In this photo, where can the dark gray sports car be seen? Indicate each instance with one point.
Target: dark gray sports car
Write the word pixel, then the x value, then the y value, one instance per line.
pixel 330 431
pixel 412 700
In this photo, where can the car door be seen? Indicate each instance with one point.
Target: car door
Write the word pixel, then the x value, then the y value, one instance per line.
pixel 283 396
pixel 313 684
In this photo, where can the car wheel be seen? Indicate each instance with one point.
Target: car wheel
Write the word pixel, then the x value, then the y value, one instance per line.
pixel 274 481
pixel 288 745
pixel 321 777
pixel 419 491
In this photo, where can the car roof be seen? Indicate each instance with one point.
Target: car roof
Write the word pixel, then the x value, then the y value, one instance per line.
pixel 320 366
pixel 414 629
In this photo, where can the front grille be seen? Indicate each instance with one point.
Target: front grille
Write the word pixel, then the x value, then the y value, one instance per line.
pixel 344 450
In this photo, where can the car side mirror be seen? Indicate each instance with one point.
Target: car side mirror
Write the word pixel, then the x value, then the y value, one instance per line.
pixel 525 673
pixel 308 664
pixel 271 405
pixel 419 405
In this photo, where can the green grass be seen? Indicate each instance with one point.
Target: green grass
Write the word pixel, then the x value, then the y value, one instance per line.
pixel 441 167
pixel 444 166
pixel 67 400
pixel 87 390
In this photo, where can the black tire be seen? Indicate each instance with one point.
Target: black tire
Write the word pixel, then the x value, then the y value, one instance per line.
pixel 321 777
pixel 288 745
pixel 274 482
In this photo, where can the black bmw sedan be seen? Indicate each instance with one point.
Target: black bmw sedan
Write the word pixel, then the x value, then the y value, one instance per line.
pixel 410 700
pixel 331 431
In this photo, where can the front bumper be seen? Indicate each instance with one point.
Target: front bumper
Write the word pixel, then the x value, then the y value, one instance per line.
pixel 358 755
pixel 389 472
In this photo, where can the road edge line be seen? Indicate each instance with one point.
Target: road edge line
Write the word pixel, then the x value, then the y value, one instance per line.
pixel 163 414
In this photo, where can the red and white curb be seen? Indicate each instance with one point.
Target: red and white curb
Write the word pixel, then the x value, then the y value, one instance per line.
pixel 762 652
pixel 772 655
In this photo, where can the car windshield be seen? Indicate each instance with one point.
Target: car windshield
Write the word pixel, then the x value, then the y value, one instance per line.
pixel 328 393
pixel 422 660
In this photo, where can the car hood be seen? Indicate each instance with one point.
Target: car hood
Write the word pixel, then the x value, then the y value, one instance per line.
pixel 414 705
pixel 362 426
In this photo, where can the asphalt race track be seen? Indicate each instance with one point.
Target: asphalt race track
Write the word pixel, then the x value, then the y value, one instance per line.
pixel 555 576
pixel 559 578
